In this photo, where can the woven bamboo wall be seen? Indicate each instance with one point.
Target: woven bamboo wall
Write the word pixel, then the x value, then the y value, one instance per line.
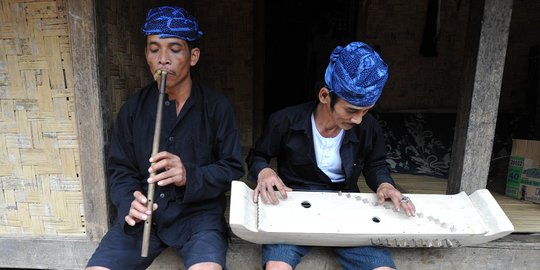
pixel 40 188
pixel 227 55
pixel 126 67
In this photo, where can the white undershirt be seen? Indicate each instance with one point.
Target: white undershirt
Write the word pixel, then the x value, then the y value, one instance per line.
pixel 327 153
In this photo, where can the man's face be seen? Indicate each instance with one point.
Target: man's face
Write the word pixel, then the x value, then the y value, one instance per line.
pixel 346 115
pixel 171 55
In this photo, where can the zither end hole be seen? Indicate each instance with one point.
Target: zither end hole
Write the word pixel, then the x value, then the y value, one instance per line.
pixel 306 204
pixel 376 219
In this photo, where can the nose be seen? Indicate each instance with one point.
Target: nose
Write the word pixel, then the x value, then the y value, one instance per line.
pixel 163 58
pixel 357 118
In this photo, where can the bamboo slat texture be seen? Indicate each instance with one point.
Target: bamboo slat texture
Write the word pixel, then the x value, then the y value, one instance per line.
pixel 40 187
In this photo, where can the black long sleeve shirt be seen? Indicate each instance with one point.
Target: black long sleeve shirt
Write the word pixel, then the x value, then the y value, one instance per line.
pixel 204 135
pixel 288 137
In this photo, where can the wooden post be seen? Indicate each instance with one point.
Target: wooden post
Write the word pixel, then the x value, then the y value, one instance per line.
pixel 82 26
pixel 485 52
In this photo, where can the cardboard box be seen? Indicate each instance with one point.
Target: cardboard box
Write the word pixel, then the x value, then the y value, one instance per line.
pixel 530 185
pixel 523 181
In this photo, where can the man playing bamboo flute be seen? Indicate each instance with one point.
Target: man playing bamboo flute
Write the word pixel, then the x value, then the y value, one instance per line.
pixel 199 156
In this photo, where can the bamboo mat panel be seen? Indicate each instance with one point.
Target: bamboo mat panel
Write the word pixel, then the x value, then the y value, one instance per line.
pixel 40 188
pixel 126 68
pixel 524 215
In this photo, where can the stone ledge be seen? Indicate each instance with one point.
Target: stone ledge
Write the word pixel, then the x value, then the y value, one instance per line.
pixel 516 251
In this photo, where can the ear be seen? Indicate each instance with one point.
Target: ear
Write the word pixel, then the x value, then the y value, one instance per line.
pixel 324 95
pixel 195 54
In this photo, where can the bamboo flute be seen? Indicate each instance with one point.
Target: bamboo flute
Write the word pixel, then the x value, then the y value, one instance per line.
pixel 155 150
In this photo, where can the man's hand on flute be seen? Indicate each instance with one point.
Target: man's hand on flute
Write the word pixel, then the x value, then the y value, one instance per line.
pixel 171 167
pixel 138 210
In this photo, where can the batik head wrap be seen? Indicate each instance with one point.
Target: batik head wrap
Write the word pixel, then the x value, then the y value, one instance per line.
pixel 356 74
pixel 171 21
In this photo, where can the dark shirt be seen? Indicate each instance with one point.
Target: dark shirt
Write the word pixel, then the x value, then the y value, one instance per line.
pixel 205 137
pixel 288 137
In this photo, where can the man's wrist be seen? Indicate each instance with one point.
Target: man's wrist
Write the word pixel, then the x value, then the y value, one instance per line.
pixel 382 185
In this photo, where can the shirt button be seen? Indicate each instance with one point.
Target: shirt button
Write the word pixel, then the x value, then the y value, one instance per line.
pixel 167 103
pixel 171 139
pixel 162 195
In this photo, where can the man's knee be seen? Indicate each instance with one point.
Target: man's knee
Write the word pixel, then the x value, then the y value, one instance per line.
pixel 276 265
pixel 205 266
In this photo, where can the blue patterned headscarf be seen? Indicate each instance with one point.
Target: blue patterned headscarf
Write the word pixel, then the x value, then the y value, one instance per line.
pixel 171 21
pixel 356 74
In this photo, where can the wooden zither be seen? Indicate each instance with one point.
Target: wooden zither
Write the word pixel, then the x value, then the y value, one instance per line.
pixel 355 219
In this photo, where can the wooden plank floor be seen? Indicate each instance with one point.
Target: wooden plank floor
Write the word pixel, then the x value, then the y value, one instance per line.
pixel 523 214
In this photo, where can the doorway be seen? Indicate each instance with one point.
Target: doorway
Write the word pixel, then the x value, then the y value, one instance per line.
pixel 298 39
